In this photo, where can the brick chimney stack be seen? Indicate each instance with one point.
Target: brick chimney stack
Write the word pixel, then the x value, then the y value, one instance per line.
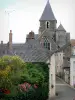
pixel 10 40
pixel 30 36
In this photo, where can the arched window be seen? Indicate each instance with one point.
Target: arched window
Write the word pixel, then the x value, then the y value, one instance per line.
pixel 46 43
pixel 47 24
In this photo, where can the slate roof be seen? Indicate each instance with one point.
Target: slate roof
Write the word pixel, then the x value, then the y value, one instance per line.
pixel 31 51
pixel 36 36
pixel 47 13
pixel 64 47
pixel 61 28
pixel 70 43
pixel 47 33
pixel 4 50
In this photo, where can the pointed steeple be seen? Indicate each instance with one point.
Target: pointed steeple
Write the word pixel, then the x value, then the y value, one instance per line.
pixel 47 13
pixel 61 28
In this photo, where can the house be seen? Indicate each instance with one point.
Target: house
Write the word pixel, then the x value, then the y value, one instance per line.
pixel 63 62
pixel 66 62
pixel 72 64
pixel 67 70
pixel 59 63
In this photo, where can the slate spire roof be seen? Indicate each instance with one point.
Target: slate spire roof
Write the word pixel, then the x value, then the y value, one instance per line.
pixel 47 13
pixel 61 28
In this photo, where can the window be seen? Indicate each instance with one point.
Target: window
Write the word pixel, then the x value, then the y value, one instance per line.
pixel 46 43
pixel 48 46
pixel 47 24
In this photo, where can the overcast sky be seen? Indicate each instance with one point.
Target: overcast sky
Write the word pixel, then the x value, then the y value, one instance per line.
pixel 27 14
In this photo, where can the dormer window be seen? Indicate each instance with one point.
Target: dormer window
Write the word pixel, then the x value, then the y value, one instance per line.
pixel 47 24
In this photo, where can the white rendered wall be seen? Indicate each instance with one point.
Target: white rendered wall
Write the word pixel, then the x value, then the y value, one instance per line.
pixel 72 71
pixel 52 79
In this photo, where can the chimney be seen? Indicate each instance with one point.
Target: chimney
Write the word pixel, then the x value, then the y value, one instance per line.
pixel 10 40
pixel 1 42
pixel 31 35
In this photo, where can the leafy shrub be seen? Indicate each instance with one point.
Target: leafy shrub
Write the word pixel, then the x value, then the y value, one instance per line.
pixel 14 72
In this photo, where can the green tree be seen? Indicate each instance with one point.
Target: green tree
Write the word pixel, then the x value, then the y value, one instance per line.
pixel 11 68
pixel 14 71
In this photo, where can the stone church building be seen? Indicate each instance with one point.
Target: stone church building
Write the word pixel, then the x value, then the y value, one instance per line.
pixel 40 47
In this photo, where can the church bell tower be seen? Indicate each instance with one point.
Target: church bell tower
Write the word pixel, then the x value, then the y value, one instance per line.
pixel 47 20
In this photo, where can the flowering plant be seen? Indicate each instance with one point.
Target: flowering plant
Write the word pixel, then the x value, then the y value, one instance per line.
pixel 5 91
pixel 35 86
pixel 26 86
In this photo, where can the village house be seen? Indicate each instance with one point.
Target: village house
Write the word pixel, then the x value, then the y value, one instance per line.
pixel 59 63
pixel 65 58
pixel 63 62
pixel 72 64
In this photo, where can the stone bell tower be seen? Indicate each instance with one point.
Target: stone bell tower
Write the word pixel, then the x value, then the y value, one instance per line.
pixel 47 20
pixel 47 29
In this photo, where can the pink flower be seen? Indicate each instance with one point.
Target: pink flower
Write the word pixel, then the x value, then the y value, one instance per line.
pixel 35 86
pixel 22 87
pixel 25 86
pixel 29 85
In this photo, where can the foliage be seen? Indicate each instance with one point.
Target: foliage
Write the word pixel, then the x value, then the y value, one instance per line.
pixel 14 73
pixel 38 93
pixel 34 75
pixel 9 67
